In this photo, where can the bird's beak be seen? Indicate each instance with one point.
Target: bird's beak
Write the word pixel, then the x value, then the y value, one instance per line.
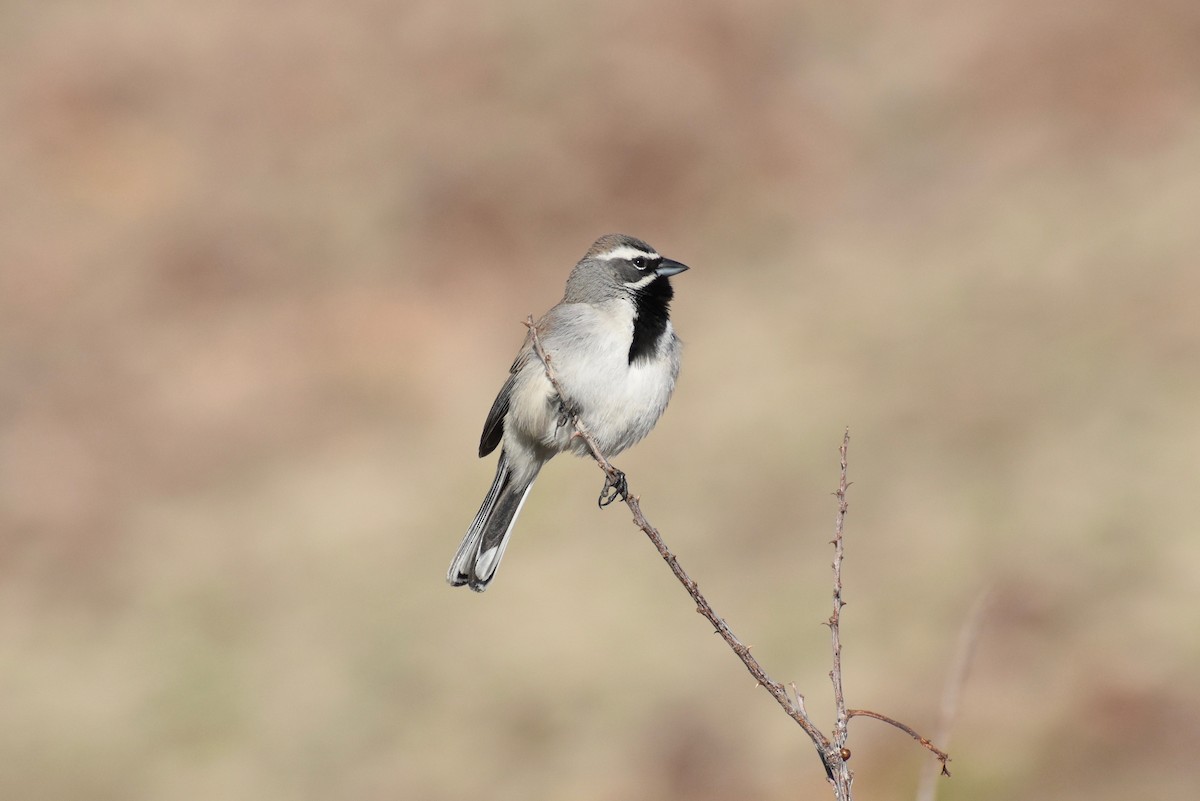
pixel 668 267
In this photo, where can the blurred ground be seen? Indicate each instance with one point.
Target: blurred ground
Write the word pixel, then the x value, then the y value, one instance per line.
pixel 262 267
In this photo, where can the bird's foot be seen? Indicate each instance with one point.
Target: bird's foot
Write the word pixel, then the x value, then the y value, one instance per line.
pixel 567 413
pixel 615 487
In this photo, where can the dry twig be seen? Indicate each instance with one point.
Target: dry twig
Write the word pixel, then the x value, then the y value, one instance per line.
pixel 942 756
pixel 832 752
pixel 844 778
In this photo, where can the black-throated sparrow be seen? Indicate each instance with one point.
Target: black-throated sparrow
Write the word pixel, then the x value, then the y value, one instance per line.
pixel 616 358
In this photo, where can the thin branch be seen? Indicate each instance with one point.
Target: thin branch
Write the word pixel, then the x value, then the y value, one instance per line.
pixel 776 689
pixel 835 636
pixel 840 730
pixel 833 754
pixel 942 756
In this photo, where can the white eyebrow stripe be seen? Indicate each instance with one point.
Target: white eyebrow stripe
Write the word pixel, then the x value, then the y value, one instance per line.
pixel 627 252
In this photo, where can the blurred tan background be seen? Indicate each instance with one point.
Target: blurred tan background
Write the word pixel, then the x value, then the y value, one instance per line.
pixel 262 270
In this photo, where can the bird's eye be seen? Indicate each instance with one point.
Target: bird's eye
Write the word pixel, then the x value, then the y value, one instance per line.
pixel 640 262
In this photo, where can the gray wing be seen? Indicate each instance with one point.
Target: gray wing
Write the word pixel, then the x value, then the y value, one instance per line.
pixel 493 427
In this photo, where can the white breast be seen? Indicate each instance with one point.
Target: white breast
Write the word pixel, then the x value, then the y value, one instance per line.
pixel 619 402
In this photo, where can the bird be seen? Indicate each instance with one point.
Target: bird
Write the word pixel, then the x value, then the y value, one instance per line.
pixel 616 357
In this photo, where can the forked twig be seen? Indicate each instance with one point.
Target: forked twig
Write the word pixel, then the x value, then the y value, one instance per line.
pixel 832 752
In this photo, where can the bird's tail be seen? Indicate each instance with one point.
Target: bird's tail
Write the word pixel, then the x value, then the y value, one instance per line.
pixel 484 543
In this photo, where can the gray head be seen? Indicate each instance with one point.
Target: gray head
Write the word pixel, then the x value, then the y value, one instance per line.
pixel 616 265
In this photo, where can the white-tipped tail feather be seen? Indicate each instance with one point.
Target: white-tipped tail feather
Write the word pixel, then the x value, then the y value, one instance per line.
pixel 483 545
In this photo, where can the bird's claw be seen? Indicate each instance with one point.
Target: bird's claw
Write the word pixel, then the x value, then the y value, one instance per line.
pixel 615 487
pixel 566 414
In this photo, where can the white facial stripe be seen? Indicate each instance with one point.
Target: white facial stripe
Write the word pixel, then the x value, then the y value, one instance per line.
pixel 642 282
pixel 627 252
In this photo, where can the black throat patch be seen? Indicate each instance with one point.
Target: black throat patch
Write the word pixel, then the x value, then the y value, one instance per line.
pixel 652 305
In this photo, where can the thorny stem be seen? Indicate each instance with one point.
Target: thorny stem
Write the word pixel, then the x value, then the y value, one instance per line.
pixel 840 730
